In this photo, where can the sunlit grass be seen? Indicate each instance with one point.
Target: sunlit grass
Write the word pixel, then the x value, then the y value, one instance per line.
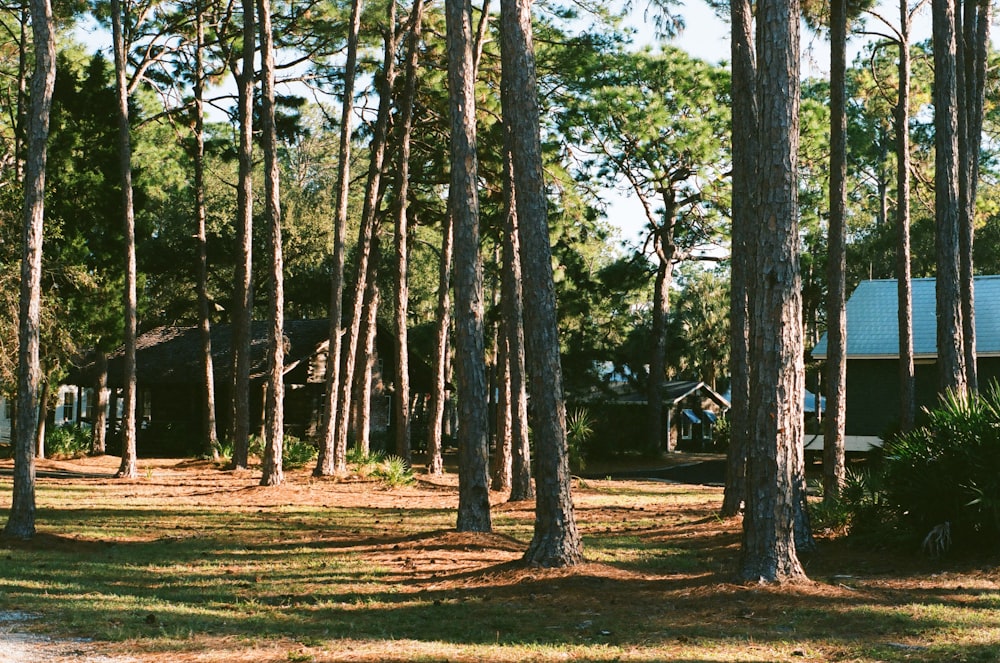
pixel 139 570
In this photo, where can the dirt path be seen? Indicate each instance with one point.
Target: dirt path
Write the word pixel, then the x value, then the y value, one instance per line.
pixel 19 645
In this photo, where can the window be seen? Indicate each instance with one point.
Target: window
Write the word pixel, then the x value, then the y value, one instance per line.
pixel 688 420
pixel 708 420
pixel 69 403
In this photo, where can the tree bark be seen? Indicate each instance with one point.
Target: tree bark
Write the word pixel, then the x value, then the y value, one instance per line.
pixel 21 520
pixel 907 384
pixel 663 241
pixel 273 474
pixel 209 430
pixel 373 193
pixel 402 294
pixel 512 332
pixel 951 361
pixel 972 42
pixel 556 541
pixel 98 439
pixel 502 460
pixel 768 552
pixel 243 277
pixel 128 467
pixel 325 465
pixel 439 394
pixel 836 264
pixel 744 119
pixel 463 204
pixel 43 416
pixel 362 390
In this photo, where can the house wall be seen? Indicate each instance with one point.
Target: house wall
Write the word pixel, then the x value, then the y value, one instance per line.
pixel 873 392
pixel 696 437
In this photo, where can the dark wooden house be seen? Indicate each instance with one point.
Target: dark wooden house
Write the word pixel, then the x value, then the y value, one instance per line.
pixel 873 353
pixel 170 398
pixel 691 412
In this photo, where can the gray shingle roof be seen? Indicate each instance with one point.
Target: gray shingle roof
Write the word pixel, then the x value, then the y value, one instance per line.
pixel 873 328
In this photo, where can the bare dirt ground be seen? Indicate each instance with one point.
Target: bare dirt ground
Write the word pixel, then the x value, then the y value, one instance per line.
pixel 19 646
pixel 446 562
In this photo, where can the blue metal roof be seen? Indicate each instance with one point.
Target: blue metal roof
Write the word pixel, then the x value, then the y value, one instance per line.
pixel 873 326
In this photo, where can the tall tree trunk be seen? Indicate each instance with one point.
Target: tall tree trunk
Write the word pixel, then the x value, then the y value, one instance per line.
pixel 21 119
pixel 512 332
pixel 768 552
pixel 556 541
pixel 243 277
pixel 658 438
pixel 951 361
pixel 209 430
pixel 836 264
pixel 128 467
pixel 43 416
pixel 502 460
pixel 973 42
pixel 21 521
pixel 907 383
pixel 744 119
pixel 369 212
pixel 98 434
pixel 439 393
pixel 402 294
pixel 362 389
pixel 463 204
pixel 274 409
pixel 325 465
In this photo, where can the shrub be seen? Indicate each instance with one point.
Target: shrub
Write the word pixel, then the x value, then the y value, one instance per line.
pixel 297 453
pixel 861 510
pixel 579 430
pixel 255 446
pixel 722 435
pixel 225 451
pixel 67 441
pixel 949 470
pixel 394 472
pixel 365 464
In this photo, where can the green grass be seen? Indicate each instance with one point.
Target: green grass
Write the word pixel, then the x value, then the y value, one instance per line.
pixel 138 570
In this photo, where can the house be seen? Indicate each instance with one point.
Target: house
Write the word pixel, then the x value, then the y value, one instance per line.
pixel 691 411
pixel 873 354
pixel 169 376
pixel 72 405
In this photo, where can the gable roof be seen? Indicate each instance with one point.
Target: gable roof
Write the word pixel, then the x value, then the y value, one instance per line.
pixel 873 325
pixel 673 391
pixel 172 355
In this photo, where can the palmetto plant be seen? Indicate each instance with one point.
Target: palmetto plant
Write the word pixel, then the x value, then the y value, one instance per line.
pixel 579 430
pixel 949 470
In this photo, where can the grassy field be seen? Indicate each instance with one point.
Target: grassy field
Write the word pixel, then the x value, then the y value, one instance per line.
pixel 190 563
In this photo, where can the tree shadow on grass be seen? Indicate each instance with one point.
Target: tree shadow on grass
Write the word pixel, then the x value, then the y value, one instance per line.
pixel 270 575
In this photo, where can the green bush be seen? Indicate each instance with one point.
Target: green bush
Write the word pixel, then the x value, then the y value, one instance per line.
pixel 949 471
pixel 722 435
pixel 861 510
pixel 67 441
pixel 295 453
pixel 394 472
pixel 298 453
pixel 579 430
pixel 365 464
